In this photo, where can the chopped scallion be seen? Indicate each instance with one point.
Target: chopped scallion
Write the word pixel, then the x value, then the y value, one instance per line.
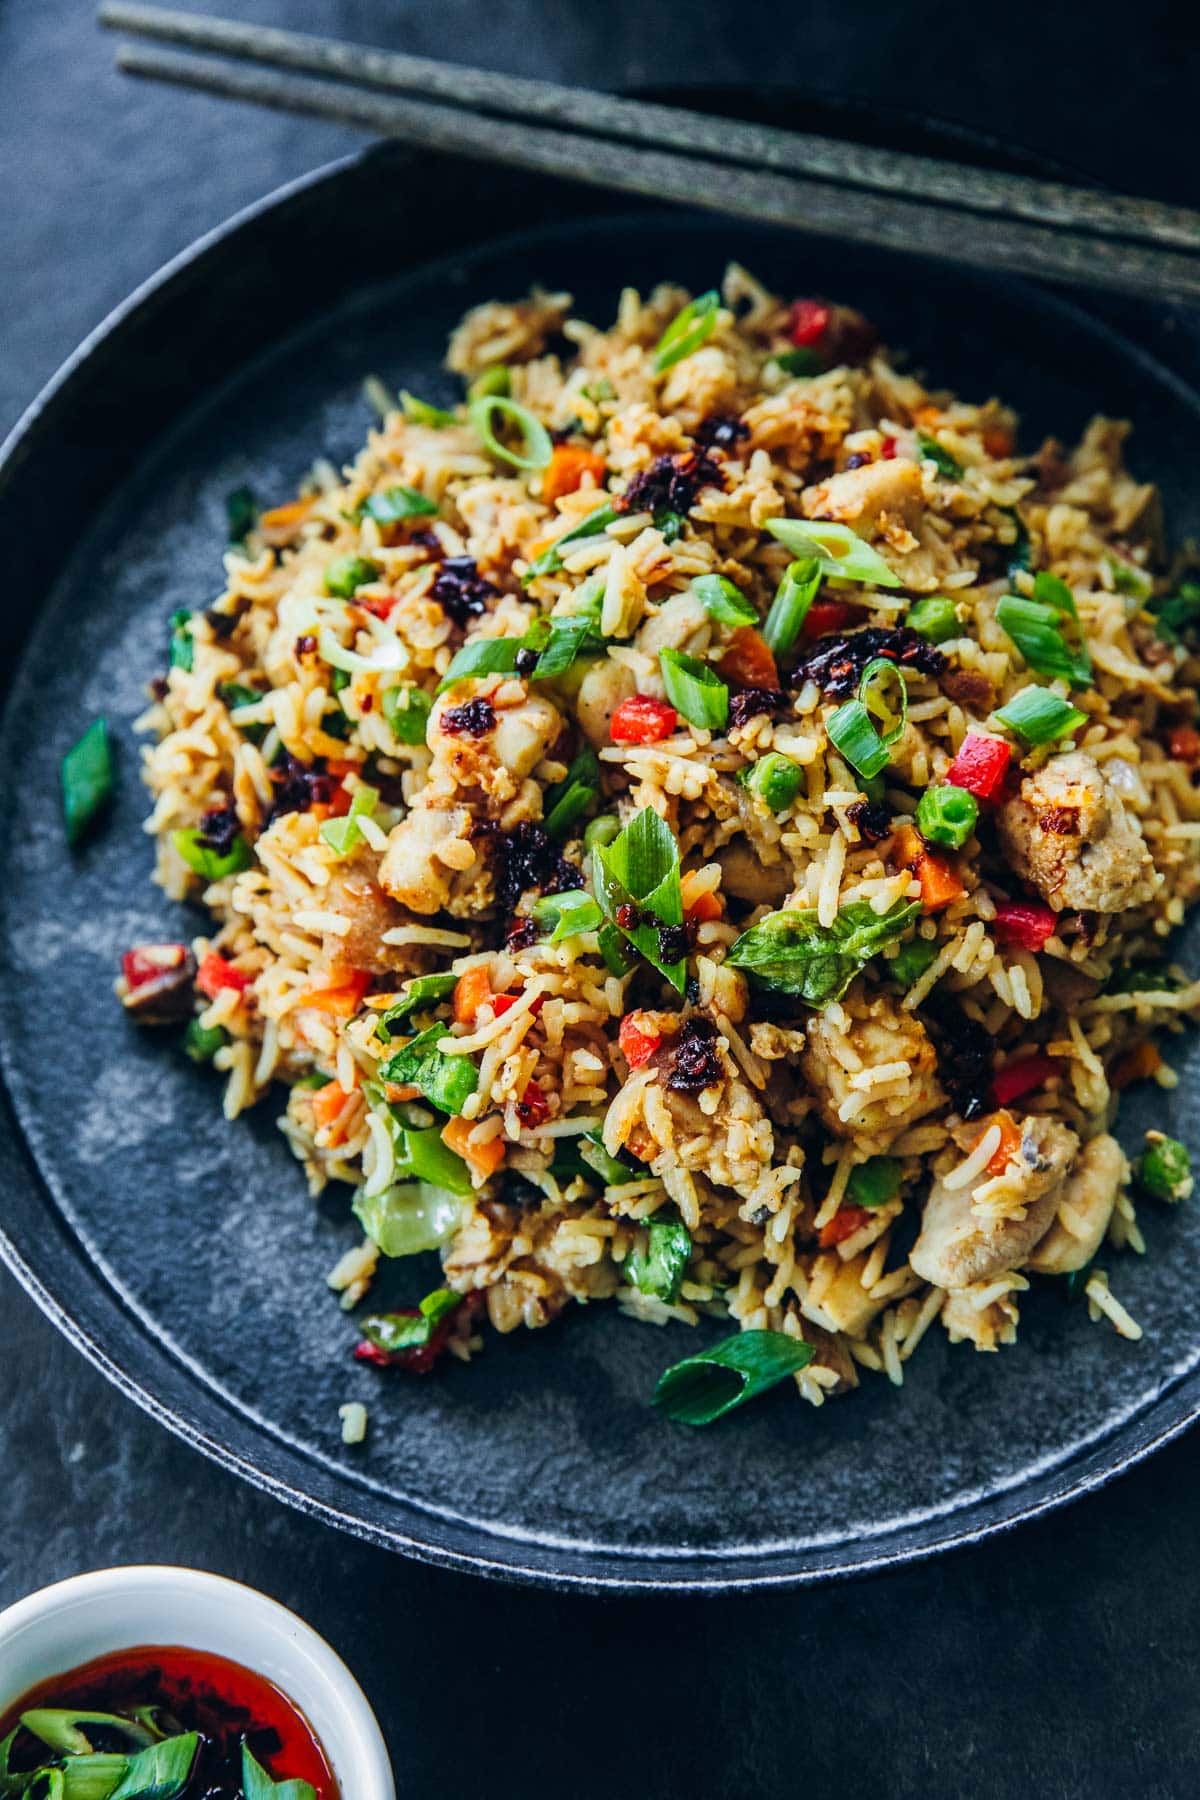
pixel 566 915
pixel 710 1384
pixel 638 875
pixel 569 798
pixel 203 860
pixel 601 831
pixel 1046 630
pixel 343 835
pixel 87 780
pixel 840 551
pixel 789 609
pixel 536 445
pixel 852 733
pixel 346 574
pixel 420 412
pixel 550 561
pixel 486 656
pixel 884 692
pixel 694 690
pixel 1040 716
pixel 931 451
pixel 687 331
pixel 725 601
pixel 406 710
pixel 491 381
pixel 396 504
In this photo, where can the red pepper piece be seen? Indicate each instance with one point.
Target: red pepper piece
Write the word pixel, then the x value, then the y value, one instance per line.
pixel 533 1106
pixel 637 1043
pixel 1024 924
pixel 642 720
pixel 151 963
pixel 1022 1077
pixel 809 322
pixel 830 615
pixel 844 1223
pixel 215 973
pixel 887 449
pixel 380 606
pixel 981 766
pixel 1184 743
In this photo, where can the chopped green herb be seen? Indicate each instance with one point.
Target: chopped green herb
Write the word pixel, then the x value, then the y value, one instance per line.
pixel 422 990
pixel 571 797
pixel 840 551
pixel 601 831
pixel 705 1387
pixel 658 1267
pixel 911 961
pixel 791 952
pixel 570 636
pixel 346 574
pixel 566 915
pixel 420 412
pixel 789 609
pixel 774 778
pixel 947 815
pixel 344 835
pixel 934 619
pixel 803 360
pixel 486 656
pixel 1129 579
pixel 201 1042
pixel 725 601
pixel 536 445
pixel 183 649
pixel 241 510
pixel 640 870
pixel 408 1331
pixel 1165 1168
pixel 1040 716
pixel 1177 615
pixel 258 1785
pixel 852 733
pixel 493 380
pixel 612 1172
pixel 447 1082
pixel 694 690
pixel 396 504
pixel 235 696
pixel 550 561
pixel 87 781
pixel 160 1772
pixel 1046 630
pixel 687 331
pixel 874 1182
pixel 931 451
pixel 406 710
pixel 619 958
pixel 670 524
pixel 203 860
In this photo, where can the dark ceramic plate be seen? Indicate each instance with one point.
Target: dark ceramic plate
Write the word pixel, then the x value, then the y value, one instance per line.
pixel 183 1255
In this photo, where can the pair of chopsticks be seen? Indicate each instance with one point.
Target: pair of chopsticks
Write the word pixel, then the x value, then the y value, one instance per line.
pixel 943 210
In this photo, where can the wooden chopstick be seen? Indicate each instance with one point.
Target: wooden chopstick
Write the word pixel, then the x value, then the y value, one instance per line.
pixel 942 232
pixel 584 110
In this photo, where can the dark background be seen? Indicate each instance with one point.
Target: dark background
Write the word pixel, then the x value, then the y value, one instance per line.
pixel 1057 1661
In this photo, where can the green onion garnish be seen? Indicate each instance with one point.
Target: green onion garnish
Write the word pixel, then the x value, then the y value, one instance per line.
pixel 343 835
pixel 947 815
pixel 486 656
pixel 852 733
pixel 569 798
pixel 87 780
pixel 1165 1169
pixel 568 637
pixel 687 331
pixel 1036 627
pixel 536 446
pixel 880 676
pixel 258 1785
pixel 550 561
pixel 491 381
pixel 403 1331
pixel 618 957
pixel 183 649
pixel 1040 716
pixel 601 831
pixel 840 551
pixel 874 1183
pixel 201 1042
pixel 640 870
pixel 241 511
pixel 775 779
pixel 789 609
pixel 203 860
pixel 791 952
pixel 725 601
pixel 669 523
pixel 419 412
pixel 935 619
pixel 911 961
pixel 931 451
pixel 396 504
pixel 566 915
pixel 163 1769
pixel 447 1082
pixel 706 1386
pixel 406 710
pixel 658 1267
pixel 346 574
pixel 697 694
pixel 801 361
pixel 1128 579
pixel 422 991
pixel 612 1172
pixel 1176 615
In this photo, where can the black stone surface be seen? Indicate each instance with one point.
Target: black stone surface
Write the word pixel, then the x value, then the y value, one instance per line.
pixel 1059 1661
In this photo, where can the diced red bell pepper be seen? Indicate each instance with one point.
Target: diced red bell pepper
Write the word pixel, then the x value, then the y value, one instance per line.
pixel 215 973
pixel 150 962
pixel 829 615
pixel 637 1043
pixel 1024 924
pixel 533 1106
pixel 887 449
pixel 502 1002
pixel 748 661
pixel 419 1360
pixel 1183 741
pixel 1022 1076
pixel 379 605
pixel 809 322
pixel 844 1223
pixel 642 720
pixel 981 766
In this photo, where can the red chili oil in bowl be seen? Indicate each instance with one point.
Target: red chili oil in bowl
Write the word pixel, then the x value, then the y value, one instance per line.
pixel 191 1690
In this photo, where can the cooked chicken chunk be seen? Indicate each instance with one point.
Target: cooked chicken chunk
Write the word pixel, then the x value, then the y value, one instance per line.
pixel 836 1297
pixel 987 1326
pixel 728 1139
pixel 1084 1209
pixel 601 691
pixel 427 853
pixel 1070 834
pixel 958 1246
pixel 355 893
pixel 748 876
pixel 866 499
pixel 681 623
pixel 834 1063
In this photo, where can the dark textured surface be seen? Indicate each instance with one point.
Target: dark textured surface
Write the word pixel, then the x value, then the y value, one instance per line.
pixel 1058 1662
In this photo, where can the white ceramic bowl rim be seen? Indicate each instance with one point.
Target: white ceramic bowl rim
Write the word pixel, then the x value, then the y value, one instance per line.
pixel 59 1627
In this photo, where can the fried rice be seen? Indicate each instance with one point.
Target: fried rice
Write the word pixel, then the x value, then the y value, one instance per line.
pixel 892 1112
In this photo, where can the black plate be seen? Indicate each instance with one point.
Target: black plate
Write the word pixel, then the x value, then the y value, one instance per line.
pixel 183 1255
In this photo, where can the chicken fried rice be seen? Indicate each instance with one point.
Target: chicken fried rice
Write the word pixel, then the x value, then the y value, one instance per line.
pixel 697 823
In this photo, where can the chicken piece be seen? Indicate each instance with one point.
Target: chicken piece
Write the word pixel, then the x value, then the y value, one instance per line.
pixel 987 1326
pixel 1069 833
pixel 869 499
pixel 836 1298
pixel 729 1139
pixel 1084 1209
pixel 490 754
pixel 355 894
pixel 958 1246
pixel 746 876
pixel 680 623
pixel 427 852
pixel 601 691
pixel 831 1059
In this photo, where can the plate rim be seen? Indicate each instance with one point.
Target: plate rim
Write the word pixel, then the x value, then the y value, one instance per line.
pixel 516 1558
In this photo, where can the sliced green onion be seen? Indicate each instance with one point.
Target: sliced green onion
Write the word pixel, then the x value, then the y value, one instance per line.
pixel 87 780
pixel 618 957
pixel 697 694
pixel 343 835
pixel 687 331
pixel 566 915
pixel 874 1183
pixel 570 636
pixel 878 676
pixel 235 695
pixel 947 815
pixel 931 451
pixel 404 1331
pixel 201 1042
pixel 161 1772
pixel 658 1267
pixel 1129 579
pixel 567 799
pixel 420 412
pixel 550 561
pixel 446 1081
pixel 789 609
pixel 486 656
pixel 423 1155
pixel 852 733
pixel 91 1777
pixel 775 779
pixel 241 512
pixel 536 445
pixel 612 1172
pixel 258 1785
pixel 911 961
pixel 183 649
pixel 669 523
pixel 601 831
pixel 316 1079
pixel 935 619
pixel 1165 1169
pixel 408 1217
pixel 422 990
pixel 1176 615
pixel 1036 628
pixel 396 504
pixel 58 1728
pixel 725 601
pixel 640 868
pixel 1040 716
pixel 203 860
pixel 803 360
pixel 840 551
pixel 705 1387
pixel 791 952
pixel 491 381
pixel 346 574
pixel 406 710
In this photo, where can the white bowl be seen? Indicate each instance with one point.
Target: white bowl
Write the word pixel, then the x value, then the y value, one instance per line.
pixel 60 1627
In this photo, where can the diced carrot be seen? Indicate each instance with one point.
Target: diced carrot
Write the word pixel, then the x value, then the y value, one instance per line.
pixel 939 879
pixel 997 441
pixel 287 516
pixel 472 990
pixel 484 1158
pixel 343 994
pixel 341 766
pixel 748 661
pixel 638 1042
pixel 1137 1064
pixel 1009 1145
pixel 927 415
pixel 327 1103
pixel 705 906
pixel 844 1223
pixel 567 469
pixel 321 810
